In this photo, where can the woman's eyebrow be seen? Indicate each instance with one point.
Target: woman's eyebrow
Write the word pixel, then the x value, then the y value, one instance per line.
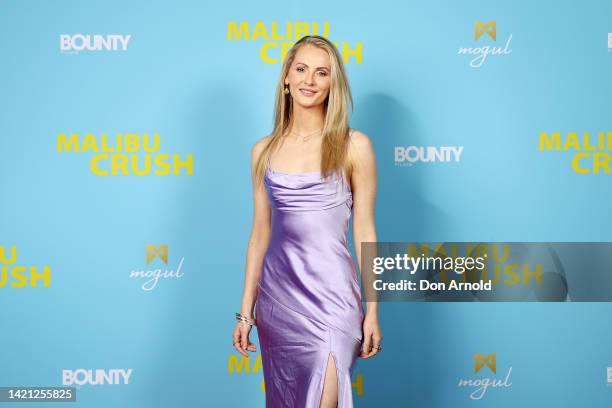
pixel 317 67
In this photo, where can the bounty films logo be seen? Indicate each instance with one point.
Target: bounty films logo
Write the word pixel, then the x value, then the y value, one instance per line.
pixel 99 376
pixel 591 152
pixel 407 156
pixel 609 41
pixel 483 383
pixel 17 275
pixel 278 38
pixel 73 44
pixel 481 53
pixel 152 276
pixel 121 156
pixel 609 376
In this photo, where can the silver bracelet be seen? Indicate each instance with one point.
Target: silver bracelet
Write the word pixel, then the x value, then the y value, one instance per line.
pixel 242 318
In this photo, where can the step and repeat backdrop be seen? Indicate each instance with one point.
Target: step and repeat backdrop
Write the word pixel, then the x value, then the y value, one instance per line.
pixel 125 138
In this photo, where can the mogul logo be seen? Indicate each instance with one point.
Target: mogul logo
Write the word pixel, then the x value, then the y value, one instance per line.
pixel 73 44
pixel 152 276
pixel 161 251
pixel 481 360
pixel 609 41
pixel 20 276
pixel 122 158
pixel 407 156
pixel 591 151
pixel 238 364
pixel 99 376
pixel 279 38
pixel 490 28
pixel 481 53
pixel 483 383
pixel 609 376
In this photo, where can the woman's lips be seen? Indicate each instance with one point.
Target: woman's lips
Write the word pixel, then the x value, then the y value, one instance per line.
pixel 307 92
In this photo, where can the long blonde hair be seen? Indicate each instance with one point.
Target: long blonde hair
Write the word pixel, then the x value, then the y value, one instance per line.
pixel 334 147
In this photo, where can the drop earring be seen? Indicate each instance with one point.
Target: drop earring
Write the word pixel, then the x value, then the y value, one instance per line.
pixel 286 90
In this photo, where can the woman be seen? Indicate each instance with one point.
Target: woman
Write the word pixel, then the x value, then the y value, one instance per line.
pixel 307 176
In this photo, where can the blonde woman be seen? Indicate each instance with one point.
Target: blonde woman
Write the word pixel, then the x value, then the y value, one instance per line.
pixel 308 176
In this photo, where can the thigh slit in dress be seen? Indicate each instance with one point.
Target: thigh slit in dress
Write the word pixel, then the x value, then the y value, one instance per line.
pixel 308 307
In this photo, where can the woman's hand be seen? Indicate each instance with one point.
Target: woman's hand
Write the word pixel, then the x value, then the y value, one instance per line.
pixel 372 336
pixel 240 337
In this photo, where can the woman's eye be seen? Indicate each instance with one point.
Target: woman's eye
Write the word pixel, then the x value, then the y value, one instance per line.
pixel 300 69
pixel 323 73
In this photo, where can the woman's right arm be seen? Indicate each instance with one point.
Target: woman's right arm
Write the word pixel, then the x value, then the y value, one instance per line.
pixel 256 249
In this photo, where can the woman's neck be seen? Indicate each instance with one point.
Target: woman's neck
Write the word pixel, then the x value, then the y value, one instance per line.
pixel 306 120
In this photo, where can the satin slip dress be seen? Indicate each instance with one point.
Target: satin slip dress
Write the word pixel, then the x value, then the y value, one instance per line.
pixel 308 306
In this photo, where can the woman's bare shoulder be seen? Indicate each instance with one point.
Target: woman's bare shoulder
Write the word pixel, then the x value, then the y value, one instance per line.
pixel 360 142
pixel 260 145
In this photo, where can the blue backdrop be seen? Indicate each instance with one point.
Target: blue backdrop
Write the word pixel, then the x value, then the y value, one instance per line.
pixel 159 326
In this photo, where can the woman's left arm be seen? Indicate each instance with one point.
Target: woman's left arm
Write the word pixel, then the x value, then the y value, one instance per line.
pixel 364 186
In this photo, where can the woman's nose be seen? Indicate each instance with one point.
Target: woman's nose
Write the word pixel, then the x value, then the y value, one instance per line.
pixel 310 78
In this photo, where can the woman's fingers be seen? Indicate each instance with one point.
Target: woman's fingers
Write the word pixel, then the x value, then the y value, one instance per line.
pixel 367 343
pixel 371 350
pixel 237 339
pixel 375 344
pixel 244 339
pixel 371 343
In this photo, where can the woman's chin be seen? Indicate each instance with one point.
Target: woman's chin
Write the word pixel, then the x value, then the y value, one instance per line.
pixel 308 103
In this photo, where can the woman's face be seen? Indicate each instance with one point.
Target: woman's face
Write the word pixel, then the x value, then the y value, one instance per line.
pixel 309 76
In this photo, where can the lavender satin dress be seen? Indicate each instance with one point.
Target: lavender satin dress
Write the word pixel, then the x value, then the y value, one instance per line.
pixel 309 300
